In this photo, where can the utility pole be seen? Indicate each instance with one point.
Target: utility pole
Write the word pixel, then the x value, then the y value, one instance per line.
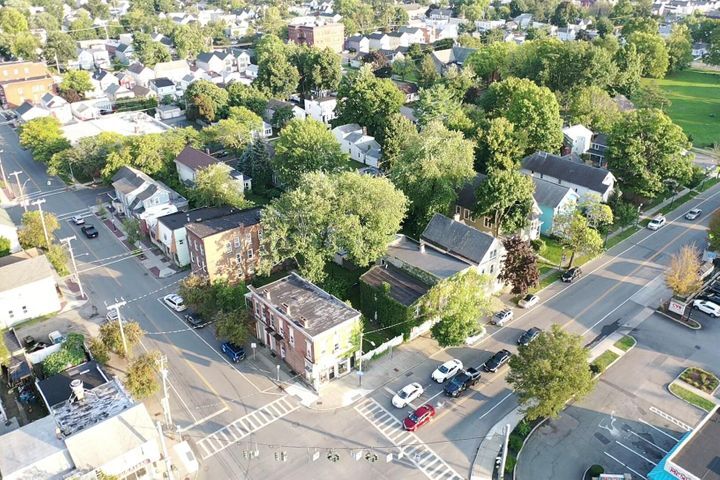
pixel 20 190
pixel 39 203
pixel 2 172
pixel 360 372
pixel 165 401
pixel 168 463
pixel 67 240
pixel 116 306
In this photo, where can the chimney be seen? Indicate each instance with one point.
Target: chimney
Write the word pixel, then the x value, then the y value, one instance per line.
pixel 422 246
pixel 456 217
pixel 77 389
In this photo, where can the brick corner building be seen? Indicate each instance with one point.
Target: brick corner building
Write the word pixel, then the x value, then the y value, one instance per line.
pixel 327 35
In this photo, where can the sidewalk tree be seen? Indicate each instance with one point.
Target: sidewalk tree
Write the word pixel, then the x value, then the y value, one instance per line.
pixel 550 371
pixel 197 293
pixel 431 170
pixel 110 335
pixel 214 187
pixel 713 230
pixel 576 234
pixel 31 233
pixel 328 213
pixel 367 100
pixel 506 197
pixel 459 303
pixel 599 214
pixel 683 275
pixel 75 84
pixel 58 258
pixel 306 146
pixel 86 158
pixel 132 230
pixel 520 268
pixel 142 376
pixel 232 326
pixel 646 148
pixel 43 137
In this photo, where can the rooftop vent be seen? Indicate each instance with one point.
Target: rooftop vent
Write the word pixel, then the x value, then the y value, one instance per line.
pixel 77 389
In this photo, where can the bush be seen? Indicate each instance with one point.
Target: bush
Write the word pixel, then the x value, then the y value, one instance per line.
pixel 537 244
pixel 58 259
pixel 596 471
pixel 515 442
pixel 99 350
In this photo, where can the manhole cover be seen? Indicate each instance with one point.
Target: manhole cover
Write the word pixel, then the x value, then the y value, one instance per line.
pixel 408 374
pixel 602 438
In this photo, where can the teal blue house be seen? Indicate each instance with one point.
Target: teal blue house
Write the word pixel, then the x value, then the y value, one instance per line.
pixel 552 200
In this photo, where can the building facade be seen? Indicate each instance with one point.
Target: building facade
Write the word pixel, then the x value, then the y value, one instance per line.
pixel 226 247
pixel 329 35
pixel 21 81
pixel 313 332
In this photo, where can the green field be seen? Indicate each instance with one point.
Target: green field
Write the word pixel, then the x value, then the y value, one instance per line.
pixel 695 97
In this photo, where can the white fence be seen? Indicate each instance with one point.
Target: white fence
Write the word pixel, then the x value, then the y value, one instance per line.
pixel 393 342
pixel 40 355
pixel 420 329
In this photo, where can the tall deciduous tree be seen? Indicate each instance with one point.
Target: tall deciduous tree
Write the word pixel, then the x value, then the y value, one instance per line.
pixel 110 335
pixel 427 71
pixel 679 47
pixel 326 214
pixel 506 196
pixel 598 214
pixel 59 45
pixel 148 51
pixel 232 326
pixel 577 235
pixel 43 137
pixel 75 82
pixel 320 70
pixel 652 50
pixel 593 107
pixel 645 148
pixel 439 103
pixel 458 303
pixel 241 95
pixel 550 371
pixel 431 170
pixel 491 63
pixel 306 146
pixel 31 233
pixel 683 275
pixel 520 268
pixel 532 109
pixel 500 145
pixel 630 69
pixel 398 133
pixel 205 101
pixel 214 187
pixel 367 100
pixel 235 132
pixel 142 379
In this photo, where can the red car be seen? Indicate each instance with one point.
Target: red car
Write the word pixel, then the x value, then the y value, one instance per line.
pixel 419 417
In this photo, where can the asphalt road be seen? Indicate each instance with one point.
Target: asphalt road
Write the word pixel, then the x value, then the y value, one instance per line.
pixel 208 394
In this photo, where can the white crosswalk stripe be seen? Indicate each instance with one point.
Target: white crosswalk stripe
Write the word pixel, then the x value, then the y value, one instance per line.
pixel 422 456
pixel 244 426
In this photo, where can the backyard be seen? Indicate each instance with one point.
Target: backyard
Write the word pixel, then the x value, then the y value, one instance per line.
pixel 695 97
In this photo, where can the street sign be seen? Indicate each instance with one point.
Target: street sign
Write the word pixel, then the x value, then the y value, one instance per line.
pixel 253 345
pixel 360 374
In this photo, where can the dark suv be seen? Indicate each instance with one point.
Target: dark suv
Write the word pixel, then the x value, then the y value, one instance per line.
pixel 462 381
pixel 497 361
pixel 571 274
pixel 234 352
pixel 195 320
pixel 529 336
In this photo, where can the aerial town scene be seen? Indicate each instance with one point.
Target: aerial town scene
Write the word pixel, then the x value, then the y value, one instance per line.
pixel 382 240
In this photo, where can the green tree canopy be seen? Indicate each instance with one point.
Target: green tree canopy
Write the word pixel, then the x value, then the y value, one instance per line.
pixel 205 101
pixel 235 132
pixel 550 371
pixel 306 146
pixel 398 133
pixel 506 197
pixel 319 70
pixel 646 148
pixel 43 137
pixel 431 170
pixel 110 335
pixel 593 107
pixel 532 109
pixel 31 233
pixel 459 302
pixel 367 100
pixel 653 52
pixel 142 376
pixel 679 48
pixel 241 95
pixel 328 213
pixel 500 145
pixel 492 62
pixel 86 159
pixel 75 83
pixel 577 235
pixel 61 45
pixel 214 187
pixel 148 51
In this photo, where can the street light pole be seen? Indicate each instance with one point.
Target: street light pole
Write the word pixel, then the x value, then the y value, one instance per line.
pixel 2 172
pixel 20 188
pixel 116 306
pixel 67 240
pixel 42 219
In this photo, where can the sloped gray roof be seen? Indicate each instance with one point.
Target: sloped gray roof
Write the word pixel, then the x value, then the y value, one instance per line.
pixel 457 238
pixel 466 195
pixel 433 261
pixel 565 168
pixel 24 271
pixel 24 108
pixel 403 288
pixel 211 226
pixel 460 54
pixel 549 194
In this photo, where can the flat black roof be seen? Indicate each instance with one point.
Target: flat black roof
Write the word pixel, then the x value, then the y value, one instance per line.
pixel 700 455
pixel 56 389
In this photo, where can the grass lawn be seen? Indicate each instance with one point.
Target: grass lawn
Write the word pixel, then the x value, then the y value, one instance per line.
pixel 695 97
pixel 552 250
pixel 548 280
pixel 612 241
pixel 692 398
pixel 604 360
pixel 625 343
pixel 707 184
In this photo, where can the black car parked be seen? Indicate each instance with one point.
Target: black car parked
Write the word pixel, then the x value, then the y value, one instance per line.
pixel 89 230
pixel 195 320
pixel 497 361
pixel 462 381
pixel 571 274
pixel 710 297
pixel 529 336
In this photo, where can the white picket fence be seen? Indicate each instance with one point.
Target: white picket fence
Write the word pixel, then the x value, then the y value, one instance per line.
pixel 393 342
